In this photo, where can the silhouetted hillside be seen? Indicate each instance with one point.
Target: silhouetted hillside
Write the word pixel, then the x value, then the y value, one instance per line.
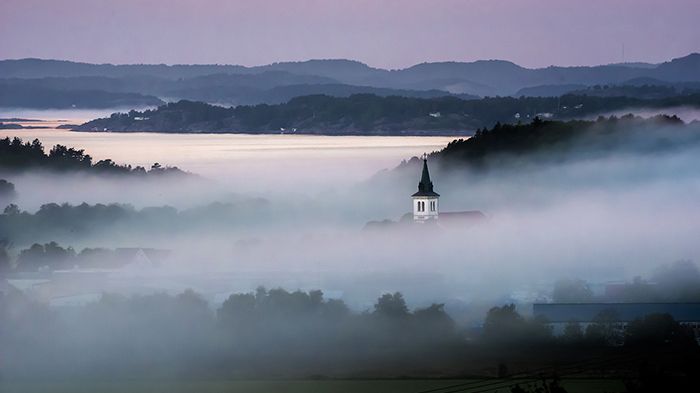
pixel 517 146
pixel 22 95
pixel 482 78
pixel 269 87
pixel 370 114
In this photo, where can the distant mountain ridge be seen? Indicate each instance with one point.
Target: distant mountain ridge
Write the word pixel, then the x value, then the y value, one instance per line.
pixel 241 85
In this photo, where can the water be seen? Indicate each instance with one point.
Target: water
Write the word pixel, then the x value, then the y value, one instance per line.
pixel 246 162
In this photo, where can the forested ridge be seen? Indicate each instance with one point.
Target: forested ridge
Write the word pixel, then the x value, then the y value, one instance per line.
pixel 368 114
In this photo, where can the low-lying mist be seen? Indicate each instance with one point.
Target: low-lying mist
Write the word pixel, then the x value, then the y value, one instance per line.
pixel 115 284
pixel 602 217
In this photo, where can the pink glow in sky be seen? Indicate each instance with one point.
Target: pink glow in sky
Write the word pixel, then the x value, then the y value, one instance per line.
pixel 389 34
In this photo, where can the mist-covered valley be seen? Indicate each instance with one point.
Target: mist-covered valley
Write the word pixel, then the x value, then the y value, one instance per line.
pixel 602 214
pixel 235 267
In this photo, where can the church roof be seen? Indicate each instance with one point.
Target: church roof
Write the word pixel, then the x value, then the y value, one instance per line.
pixel 425 187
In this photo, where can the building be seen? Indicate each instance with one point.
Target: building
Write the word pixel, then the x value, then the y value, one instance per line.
pixel 425 200
pixel 426 205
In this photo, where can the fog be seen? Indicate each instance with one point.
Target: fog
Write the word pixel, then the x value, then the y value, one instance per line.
pixel 605 217
pixel 598 215
pixel 685 113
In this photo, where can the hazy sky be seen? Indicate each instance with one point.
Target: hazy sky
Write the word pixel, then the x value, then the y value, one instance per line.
pixel 389 33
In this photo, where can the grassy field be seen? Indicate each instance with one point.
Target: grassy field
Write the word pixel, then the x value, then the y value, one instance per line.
pixel 293 386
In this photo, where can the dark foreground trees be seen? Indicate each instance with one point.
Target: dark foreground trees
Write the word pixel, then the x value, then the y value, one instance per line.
pixel 277 333
pixel 263 333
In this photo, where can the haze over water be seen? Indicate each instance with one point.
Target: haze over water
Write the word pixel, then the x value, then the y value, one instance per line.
pixel 250 163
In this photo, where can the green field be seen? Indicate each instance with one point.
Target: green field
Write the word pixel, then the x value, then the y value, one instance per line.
pixel 292 386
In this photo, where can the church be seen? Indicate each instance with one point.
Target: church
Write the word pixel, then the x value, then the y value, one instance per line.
pixel 426 210
pixel 426 206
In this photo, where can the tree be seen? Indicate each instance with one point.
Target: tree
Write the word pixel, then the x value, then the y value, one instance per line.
pixel 434 320
pixel 656 330
pixel 639 290
pixel 391 305
pixel 573 332
pixel 572 291
pixel 11 210
pixel 49 255
pixel 32 258
pixel 503 324
pixel 238 309
pixel 7 191
pixel 5 263
pixel 605 329
pixel 679 281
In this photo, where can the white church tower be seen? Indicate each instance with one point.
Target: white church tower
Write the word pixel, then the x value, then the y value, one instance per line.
pixel 425 201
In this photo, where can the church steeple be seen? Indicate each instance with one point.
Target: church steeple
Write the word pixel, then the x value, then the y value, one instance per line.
pixel 425 201
pixel 425 186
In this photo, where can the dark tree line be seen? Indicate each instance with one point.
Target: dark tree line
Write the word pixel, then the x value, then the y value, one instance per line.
pixel 278 333
pixel 268 332
pixel 66 222
pixel 51 256
pixel 16 155
pixel 547 141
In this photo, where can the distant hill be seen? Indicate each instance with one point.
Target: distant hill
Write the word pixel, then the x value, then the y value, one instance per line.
pixel 365 114
pixel 543 142
pixel 644 88
pixel 268 87
pixel 22 95
pixel 231 84
pixel 40 68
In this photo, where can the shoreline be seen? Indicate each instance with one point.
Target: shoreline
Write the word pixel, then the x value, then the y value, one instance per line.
pixel 416 133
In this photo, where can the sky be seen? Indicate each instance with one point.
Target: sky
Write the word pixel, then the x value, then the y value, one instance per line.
pixel 386 34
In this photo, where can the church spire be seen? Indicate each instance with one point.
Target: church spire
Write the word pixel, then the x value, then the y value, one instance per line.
pixel 425 183
pixel 425 186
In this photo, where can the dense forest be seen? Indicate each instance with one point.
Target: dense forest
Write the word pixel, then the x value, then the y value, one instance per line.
pixel 18 156
pixel 545 141
pixel 303 334
pixel 371 114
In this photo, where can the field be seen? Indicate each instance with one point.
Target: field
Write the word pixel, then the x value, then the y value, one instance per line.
pixel 297 386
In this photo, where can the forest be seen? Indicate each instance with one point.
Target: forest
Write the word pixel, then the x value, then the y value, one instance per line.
pixel 19 156
pixel 550 142
pixel 275 332
pixel 367 114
